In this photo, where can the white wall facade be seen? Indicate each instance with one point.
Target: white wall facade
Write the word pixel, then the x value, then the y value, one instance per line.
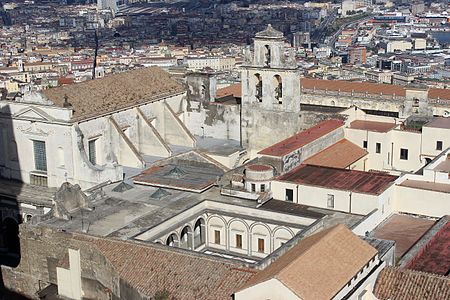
pixel 121 139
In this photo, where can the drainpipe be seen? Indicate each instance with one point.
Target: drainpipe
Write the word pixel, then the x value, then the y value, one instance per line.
pixel 392 155
pixel 350 202
pixel 240 123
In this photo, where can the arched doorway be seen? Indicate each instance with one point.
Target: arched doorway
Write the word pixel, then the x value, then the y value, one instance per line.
pixel 10 242
pixel 186 238
pixel 172 240
pixel 199 233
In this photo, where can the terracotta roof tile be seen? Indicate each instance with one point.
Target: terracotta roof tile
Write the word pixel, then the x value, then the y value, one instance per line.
pixel 184 275
pixel 232 90
pixel 434 257
pixel 402 284
pixel 340 179
pixel 372 126
pixel 302 138
pixel 439 94
pixel 339 155
pixel 349 86
pixel 104 95
pixel 319 266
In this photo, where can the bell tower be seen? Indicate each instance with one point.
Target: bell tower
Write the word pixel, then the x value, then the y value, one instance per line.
pixel 270 92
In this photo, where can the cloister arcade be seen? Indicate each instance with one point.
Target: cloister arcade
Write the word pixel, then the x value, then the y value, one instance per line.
pixel 241 236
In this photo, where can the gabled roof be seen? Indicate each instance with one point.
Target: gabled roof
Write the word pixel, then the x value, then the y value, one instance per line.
pixel 302 138
pixel 339 155
pixel 402 284
pixel 118 91
pixel 319 266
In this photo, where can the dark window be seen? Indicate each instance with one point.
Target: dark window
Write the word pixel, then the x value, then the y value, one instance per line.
pixel 40 156
pixel 330 201
pixel 238 241
pixel 216 236
pixel 253 187
pixel 92 152
pixel 261 245
pixel 404 154
pixel 263 187
pixel 289 195
pixel 365 144
pixel 378 147
pixel 439 145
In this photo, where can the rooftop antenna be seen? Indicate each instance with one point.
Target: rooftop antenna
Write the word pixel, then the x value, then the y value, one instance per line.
pixel 95 53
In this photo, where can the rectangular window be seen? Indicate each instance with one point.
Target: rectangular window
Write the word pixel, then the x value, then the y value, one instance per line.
pixel 40 156
pixel 365 144
pixel 216 236
pixel 92 152
pixel 439 145
pixel 289 195
pixel 378 147
pixel 253 187
pixel 239 241
pixel 403 154
pixel 330 201
pixel 263 188
pixel 261 245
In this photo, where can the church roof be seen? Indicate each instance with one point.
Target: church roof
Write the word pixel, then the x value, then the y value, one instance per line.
pixel 319 266
pixel 270 32
pixel 118 91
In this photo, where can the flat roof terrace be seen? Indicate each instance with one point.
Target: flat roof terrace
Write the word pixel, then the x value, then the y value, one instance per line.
pixel 372 126
pixel 426 185
pixel 404 230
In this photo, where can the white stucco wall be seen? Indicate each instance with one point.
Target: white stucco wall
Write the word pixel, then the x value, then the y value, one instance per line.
pixel 271 289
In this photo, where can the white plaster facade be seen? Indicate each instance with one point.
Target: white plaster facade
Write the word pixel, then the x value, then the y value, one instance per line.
pixel 122 139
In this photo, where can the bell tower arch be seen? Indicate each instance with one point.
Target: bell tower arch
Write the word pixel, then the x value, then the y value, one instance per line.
pixel 270 92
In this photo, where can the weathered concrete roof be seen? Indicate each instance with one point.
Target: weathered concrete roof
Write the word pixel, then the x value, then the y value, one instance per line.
pixel 269 32
pixel 118 91
pixel 439 122
pixel 194 177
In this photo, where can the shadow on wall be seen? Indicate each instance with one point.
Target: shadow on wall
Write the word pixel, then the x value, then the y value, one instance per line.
pixel 10 217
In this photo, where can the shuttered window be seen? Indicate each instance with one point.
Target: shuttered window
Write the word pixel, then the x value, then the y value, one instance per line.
pixel 92 152
pixel 238 241
pixel 216 237
pixel 261 245
pixel 40 156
